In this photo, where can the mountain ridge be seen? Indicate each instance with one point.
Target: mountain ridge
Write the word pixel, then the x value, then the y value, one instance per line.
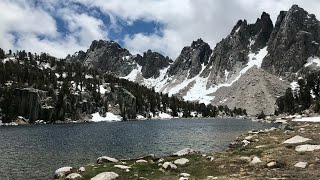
pixel 199 71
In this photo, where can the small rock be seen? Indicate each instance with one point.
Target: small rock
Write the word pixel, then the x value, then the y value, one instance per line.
pixel 160 160
pixel 184 152
pixel 183 178
pixel 181 161
pixel 261 146
pixel 210 158
pixel 271 164
pixel 62 172
pixel 273 129
pixel 301 165
pixel 286 127
pixel 245 159
pixel 245 142
pixel 248 138
pixel 73 176
pixel 106 159
pixel 184 175
pixel 296 139
pixel 169 165
pixel 301 129
pixel 255 160
pixel 106 176
pixel 141 161
pixel 82 169
pixel 122 167
pixel 211 178
pixel 127 170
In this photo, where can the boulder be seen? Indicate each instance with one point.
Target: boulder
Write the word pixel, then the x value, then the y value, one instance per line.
pixel 184 152
pixel 62 172
pixel 181 161
pixel 82 169
pixel 307 147
pixel 296 139
pixel 169 166
pixel 106 159
pixel 106 176
pixel 73 176
pixel 184 175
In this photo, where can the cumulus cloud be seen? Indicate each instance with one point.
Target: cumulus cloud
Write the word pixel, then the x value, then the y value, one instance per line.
pixel 32 25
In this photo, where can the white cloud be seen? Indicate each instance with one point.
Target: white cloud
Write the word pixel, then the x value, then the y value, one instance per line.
pixel 187 20
pixel 31 27
pixel 183 21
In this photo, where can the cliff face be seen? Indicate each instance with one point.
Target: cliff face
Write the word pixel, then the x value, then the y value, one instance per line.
pixel 295 38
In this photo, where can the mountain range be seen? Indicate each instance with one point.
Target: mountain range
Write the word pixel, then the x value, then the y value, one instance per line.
pixel 250 68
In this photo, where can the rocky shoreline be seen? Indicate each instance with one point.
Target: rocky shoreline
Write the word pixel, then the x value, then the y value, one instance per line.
pixel 287 152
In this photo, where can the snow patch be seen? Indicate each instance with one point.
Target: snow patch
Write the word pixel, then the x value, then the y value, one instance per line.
pixel 294 85
pixel 96 117
pixel 163 115
pixel 313 60
pixel 308 119
pixel 134 74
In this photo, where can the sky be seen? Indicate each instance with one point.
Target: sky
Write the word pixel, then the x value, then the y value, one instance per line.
pixel 61 27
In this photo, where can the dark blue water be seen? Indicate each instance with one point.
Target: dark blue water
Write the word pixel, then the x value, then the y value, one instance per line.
pixel 36 151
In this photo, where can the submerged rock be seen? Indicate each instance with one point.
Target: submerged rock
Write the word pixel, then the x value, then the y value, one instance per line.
pixel 106 176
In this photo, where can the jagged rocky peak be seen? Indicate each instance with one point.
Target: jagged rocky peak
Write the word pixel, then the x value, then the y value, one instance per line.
pixel 108 56
pixel 152 63
pixel 191 59
pixel 295 38
pixel 231 53
pixel 261 31
pixel 78 56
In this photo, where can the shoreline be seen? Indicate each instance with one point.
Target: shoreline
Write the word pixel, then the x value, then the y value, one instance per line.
pixel 257 154
pixel 111 121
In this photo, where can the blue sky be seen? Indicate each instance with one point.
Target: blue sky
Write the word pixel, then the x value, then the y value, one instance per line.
pixel 62 27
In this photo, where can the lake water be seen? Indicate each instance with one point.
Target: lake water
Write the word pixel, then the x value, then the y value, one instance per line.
pixel 36 151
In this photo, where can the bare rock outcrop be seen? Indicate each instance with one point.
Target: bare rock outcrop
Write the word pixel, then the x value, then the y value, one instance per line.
pixel 256 91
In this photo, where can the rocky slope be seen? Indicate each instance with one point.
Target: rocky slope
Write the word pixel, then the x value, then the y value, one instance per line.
pixel 256 87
